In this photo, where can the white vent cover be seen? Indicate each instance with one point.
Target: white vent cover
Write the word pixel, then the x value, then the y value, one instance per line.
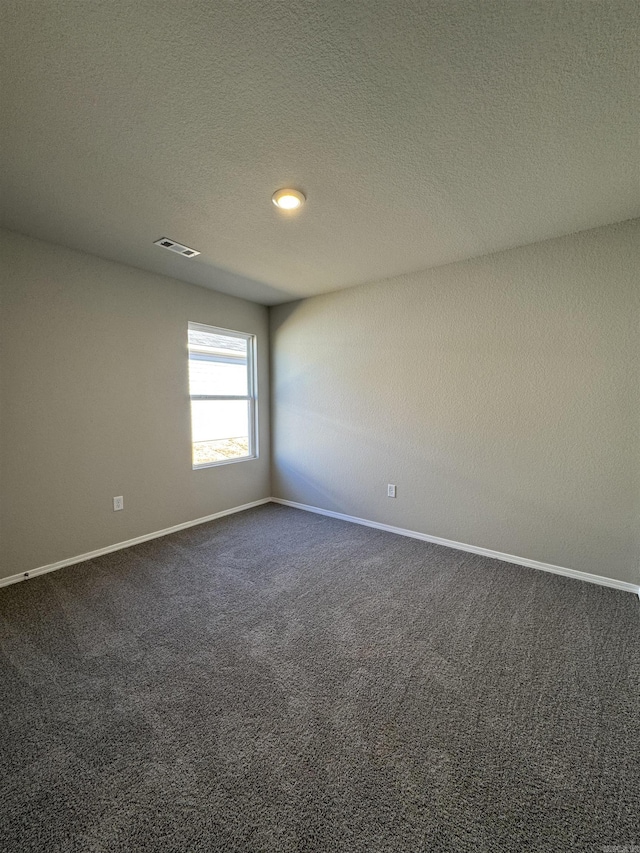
pixel 178 248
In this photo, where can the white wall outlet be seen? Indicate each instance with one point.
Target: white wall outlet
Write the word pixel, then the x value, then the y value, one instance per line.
pixel 391 491
pixel 118 503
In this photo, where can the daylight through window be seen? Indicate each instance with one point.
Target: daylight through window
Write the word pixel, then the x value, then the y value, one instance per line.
pixel 223 395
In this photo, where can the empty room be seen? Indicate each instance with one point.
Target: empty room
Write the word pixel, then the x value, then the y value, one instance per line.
pixel 320 426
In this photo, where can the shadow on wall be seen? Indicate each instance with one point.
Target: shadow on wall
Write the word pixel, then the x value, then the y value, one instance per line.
pixel 299 482
pixel 338 454
pixel 227 281
pixel 285 312
pixel 426 512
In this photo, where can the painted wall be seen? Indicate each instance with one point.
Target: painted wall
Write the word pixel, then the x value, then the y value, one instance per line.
pixel 501 395
pixel 94 403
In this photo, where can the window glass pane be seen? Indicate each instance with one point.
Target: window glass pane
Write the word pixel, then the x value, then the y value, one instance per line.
pixel 216 377
pixel 212 341
pixel 217 364
pixel 220 430
pixel 221 365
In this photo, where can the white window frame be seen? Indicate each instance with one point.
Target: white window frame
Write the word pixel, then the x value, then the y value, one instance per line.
pixel 251 397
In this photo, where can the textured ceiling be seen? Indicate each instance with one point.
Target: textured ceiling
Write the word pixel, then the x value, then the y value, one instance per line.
pixel 422 132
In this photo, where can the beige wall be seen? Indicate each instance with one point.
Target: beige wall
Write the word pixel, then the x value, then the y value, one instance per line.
pixel 501 395
pixel 94 403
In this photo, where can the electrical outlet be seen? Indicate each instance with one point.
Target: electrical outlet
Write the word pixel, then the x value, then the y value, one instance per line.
pixel 391 491
pixel 118 503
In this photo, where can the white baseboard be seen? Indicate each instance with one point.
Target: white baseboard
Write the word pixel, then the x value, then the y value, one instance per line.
pixel 460 546
pixel 473 549
pixel 81 558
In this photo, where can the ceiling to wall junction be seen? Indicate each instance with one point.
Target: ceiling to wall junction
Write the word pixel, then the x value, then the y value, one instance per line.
pixel 421 132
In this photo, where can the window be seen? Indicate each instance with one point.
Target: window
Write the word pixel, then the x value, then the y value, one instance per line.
pixel 222 386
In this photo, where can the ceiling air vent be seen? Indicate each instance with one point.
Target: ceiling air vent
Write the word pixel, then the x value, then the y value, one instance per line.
pixel 178 248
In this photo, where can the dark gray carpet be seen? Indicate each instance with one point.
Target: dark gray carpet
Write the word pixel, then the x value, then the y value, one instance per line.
pixel 279 681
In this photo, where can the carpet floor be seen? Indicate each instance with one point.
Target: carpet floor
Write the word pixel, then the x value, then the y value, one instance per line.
pixel 281 682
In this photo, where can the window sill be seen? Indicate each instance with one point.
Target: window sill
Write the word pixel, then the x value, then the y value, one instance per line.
pixel 224 462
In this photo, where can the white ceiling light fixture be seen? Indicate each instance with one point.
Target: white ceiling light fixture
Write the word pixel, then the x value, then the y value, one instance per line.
pixel 287 199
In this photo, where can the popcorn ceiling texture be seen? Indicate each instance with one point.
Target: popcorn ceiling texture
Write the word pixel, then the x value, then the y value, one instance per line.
pixel 422 133
pixel 501 395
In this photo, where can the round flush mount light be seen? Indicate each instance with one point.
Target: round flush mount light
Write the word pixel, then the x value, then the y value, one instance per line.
pixel 288 199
